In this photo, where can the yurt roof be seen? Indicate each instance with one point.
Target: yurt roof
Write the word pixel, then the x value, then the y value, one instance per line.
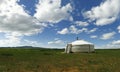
pixel 81 42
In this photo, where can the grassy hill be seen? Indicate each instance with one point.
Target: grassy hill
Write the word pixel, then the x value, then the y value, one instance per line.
pixel 48 60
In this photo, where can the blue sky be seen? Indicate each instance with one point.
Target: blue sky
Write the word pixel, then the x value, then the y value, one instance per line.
pixel 54 23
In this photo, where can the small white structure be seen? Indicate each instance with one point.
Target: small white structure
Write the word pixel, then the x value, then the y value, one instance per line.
pixel 79 46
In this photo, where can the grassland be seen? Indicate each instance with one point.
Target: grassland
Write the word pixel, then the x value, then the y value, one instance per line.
pixel 47 60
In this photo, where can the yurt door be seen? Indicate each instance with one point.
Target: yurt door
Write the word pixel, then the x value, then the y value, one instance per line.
pixel 69 47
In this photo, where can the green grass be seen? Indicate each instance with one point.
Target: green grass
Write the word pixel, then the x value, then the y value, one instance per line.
pixel 47 60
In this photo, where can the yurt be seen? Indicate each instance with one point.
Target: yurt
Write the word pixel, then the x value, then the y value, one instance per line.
pixel 79 46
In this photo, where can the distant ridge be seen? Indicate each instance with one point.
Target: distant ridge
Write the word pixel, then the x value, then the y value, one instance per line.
pixel 29 47
pixel 22 47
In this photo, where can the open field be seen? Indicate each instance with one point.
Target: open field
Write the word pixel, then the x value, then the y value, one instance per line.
pixel 46 60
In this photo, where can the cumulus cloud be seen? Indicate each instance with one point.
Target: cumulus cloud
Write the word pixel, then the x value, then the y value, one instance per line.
pixel 117 42
pixel 15 22
pixel 113 44
pixel 57 43
pixel 81 23
pixel 1 1
pixel 74 30
pixel 71 30
pixel 31 43
pixel 52 11
pixel 14 19
pixel 108 35
pixel 118 29
pixel 93 36
pixel 21 24
pixel 92 30
pixel 10 40
pixel 63 31
pixel 106 13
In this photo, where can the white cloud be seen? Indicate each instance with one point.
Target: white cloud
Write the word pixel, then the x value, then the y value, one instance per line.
pixel 80 23
pixel 52 11
pixel 108 35
pixel 31 43
pixel 117 42
pixel 1 1
pixel 118 29
pixel 93 36
pixel 105 21
pixel 74 30
pixel 92 30
pixel 56 43
pixel 14 19
pixel 106 13
pixel 63 31
pixel 109 46
pixel 13 40
pixel 16 22
pixel 10 40
pixel 113 44
pixel 71 18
